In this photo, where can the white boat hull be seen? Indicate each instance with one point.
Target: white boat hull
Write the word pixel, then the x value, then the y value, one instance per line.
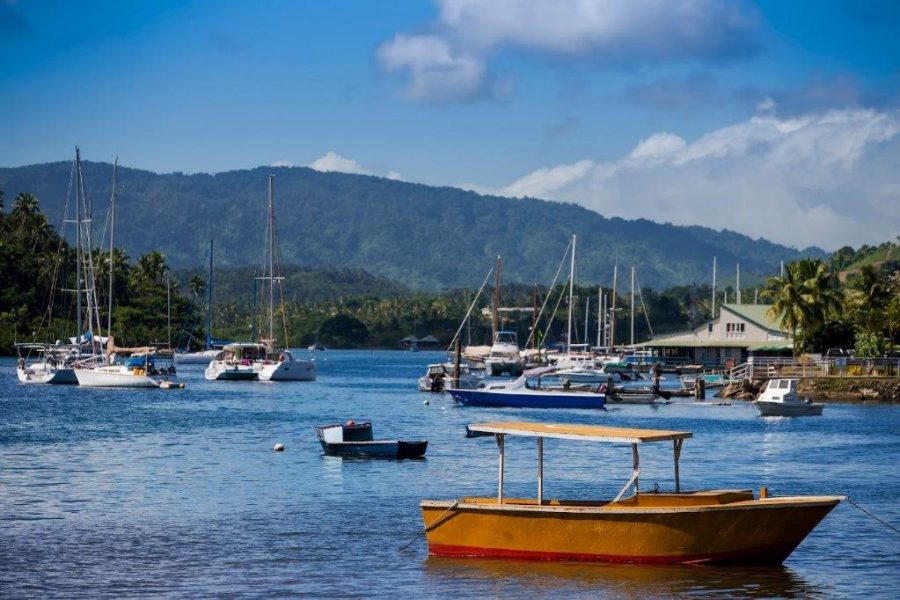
pixel 289 370
pixel 195 358
pixel 117 378
pixel 41 373
pixel 222 371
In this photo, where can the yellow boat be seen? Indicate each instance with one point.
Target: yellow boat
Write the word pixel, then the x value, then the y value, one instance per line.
pixel 702 527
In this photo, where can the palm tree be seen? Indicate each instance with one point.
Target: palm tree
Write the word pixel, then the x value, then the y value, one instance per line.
pixel 150 268
pixel 788 301
pixel 870 296
pixel 805 299
pixel 196 286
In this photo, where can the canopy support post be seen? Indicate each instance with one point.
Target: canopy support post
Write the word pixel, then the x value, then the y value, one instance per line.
pixel 540 491
pixel 635 473
pixel 677 447
pixel 500 445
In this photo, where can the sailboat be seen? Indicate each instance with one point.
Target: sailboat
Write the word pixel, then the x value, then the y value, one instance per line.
pixel 142 368
pixel 210 350
pixel 280 365
pixel 53 363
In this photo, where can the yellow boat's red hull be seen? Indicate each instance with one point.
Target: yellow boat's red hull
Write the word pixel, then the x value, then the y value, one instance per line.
pixel 703 528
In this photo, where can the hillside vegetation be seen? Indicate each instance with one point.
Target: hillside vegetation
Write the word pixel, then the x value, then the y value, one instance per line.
pixel 427 238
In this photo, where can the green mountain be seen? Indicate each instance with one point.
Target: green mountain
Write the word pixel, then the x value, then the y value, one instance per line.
pixel 420 236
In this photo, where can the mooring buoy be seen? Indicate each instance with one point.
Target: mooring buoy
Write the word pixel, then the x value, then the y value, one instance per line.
pixel 279 447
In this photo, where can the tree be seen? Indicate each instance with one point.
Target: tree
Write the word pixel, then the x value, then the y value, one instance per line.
pixel 196 286
pixel 150 268
pixel 804 299
pixel 870 296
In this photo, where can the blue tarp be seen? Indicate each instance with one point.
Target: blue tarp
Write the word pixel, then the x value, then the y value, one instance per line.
pixel 139 361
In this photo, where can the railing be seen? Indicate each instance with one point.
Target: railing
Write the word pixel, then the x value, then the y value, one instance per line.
pixel 805 366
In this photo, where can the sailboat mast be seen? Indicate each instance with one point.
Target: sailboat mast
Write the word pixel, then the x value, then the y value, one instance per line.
pixel 495 315
pixel 587 308
pixel 271 252
pixel 571 286
pixel 209 295
pixel 612 316
pixel 738 283
pixel 599 316
pixel 632 306
pixel 112 245
pixel 78 323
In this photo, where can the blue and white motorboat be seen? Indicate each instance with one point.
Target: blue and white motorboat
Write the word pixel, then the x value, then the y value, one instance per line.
pixel 519 394
pixel 355 439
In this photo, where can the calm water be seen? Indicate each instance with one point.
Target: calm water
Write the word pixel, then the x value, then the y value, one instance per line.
pixel 132 492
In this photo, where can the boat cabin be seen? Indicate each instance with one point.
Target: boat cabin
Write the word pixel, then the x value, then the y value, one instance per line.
pixel 780 390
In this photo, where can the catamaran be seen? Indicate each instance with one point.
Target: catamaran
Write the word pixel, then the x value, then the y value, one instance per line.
pixel 717 526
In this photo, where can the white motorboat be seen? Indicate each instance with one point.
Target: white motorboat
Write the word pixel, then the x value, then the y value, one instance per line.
pixel 138 371
pixel 585 375
pixel 287 368
pixel 439 378
pixel 237 362
pixel 504 358
pixel 780 399
pixel 51 365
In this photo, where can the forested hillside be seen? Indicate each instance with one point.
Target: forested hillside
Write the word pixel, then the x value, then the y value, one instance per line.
pixel 427 238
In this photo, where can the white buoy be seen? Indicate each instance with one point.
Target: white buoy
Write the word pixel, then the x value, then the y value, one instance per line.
pixel 279 447
pixel 426 401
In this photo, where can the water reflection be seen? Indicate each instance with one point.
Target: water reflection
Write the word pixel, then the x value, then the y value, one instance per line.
pixel 624 581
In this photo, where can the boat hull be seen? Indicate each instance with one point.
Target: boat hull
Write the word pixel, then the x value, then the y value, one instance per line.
pixel 758 532
pixel 289 370
pixel 530 399
pixel 500 368
pixel 58 376
pixel 98 378
pixel 631 398
pixel 377 448
pixel 786 409
pixel 195 358
pixel 215 372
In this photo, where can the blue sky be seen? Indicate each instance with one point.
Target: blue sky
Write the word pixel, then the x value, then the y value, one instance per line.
pixel 718 113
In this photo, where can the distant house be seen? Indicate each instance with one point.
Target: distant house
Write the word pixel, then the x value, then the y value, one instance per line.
pixel 429 342
pixel 740 331
pixel 410 342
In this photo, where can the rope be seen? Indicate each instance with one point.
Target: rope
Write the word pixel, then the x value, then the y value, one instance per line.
pixel 434 524
pixel 885 523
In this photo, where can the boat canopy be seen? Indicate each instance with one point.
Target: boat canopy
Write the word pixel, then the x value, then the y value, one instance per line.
pixel 573 431
pixel 569 431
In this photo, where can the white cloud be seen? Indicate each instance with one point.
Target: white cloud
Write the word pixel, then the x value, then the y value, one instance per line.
pixel 822 179
pixel 437 72
pixel 451 64
pixel 766 105
pixel 282 163
pixel 333 161
pixel 545 181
